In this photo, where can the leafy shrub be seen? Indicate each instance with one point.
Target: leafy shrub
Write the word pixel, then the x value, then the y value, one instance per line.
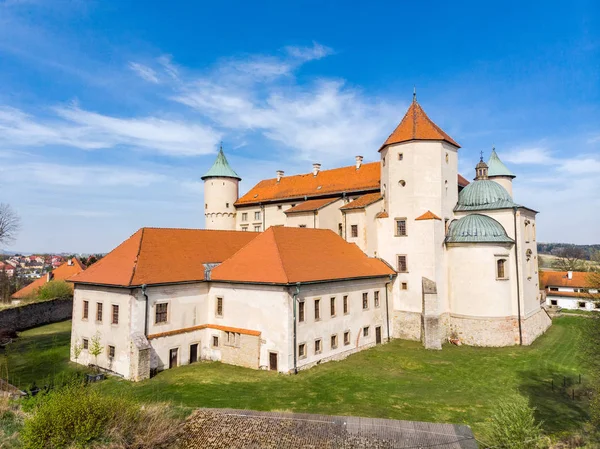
pixel 54 289
pixel 79 416
pixel 512 426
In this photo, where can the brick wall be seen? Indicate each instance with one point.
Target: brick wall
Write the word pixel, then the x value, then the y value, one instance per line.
pixel 36 314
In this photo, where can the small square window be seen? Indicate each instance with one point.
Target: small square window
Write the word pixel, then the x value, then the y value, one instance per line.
pixel 215 341
pixel 553 302
pixel 365 301
pixel 111 352
pixel 582 304
pixel 405 286
pixel 376 299
pixel 346 305
pixel 256 228
pixel 597 305
pixel 354 230
pixel 400 156
pixel 279 207
pixel 318 346
pixel 301 308
pixel 346 338
pixel 302 350
pixel 227 205
pixel 334 341
pixel 302 226
pixel 400 227
pixel 86 344
pixel 366 331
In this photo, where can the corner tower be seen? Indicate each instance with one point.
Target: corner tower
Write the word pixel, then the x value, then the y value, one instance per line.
pixel 221 191
pixel 498 172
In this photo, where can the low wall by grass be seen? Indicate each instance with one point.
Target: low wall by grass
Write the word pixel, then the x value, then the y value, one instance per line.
pixel 34 314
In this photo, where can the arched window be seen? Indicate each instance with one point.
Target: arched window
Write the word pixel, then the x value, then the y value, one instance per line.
pixel 501 269
pixel 527 231
pixel 528 258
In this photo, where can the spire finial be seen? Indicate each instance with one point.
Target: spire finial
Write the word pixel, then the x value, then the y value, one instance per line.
pixel 414 94
pixel 221 146
pixel 481 156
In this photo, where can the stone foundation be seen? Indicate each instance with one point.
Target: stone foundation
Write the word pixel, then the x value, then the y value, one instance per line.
pixel 535 325
pixel 246 353
pixel 336 357
pixel 406 325
pixel 475 331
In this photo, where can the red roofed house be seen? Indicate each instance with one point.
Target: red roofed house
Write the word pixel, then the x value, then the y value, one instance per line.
pixel 570 290
pixel 70 268
pixel 283 300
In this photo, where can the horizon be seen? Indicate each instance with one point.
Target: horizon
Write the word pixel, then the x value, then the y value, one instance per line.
pixel 110 113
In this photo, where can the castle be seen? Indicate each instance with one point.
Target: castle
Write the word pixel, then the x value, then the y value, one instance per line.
pixel 308 268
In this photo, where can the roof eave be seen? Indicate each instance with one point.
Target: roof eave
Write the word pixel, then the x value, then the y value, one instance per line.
pixel 454 144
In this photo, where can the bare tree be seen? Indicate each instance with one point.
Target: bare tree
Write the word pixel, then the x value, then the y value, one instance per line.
pixel 570 259
pixel 10 223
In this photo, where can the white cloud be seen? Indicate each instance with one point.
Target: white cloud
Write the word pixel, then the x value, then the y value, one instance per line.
pixel 581 166
pixel 534 155
pixel 75 127
pixel 317 51
pixel 144 72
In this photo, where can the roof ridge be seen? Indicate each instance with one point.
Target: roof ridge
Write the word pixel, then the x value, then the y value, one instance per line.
pixel 279 257
pixel 137 256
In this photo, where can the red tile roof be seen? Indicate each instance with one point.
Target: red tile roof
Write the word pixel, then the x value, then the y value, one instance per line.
pixel 428 216
pixel 416 125
pixel 283 255
pixel 311 205
pixel 362 201
pixel 383 214
pixel 61 273
pixel 580 279
pixel 205 326
pixel 163 256
pixel 327 182
pixel 591 296
pixel 462 181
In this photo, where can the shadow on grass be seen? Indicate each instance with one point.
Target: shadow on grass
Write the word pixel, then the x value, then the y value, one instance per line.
pixel 556 407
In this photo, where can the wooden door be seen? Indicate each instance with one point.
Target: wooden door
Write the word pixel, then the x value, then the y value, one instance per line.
pixel 378 335
pixel 173 358
pixel 273 361
pixel 194 353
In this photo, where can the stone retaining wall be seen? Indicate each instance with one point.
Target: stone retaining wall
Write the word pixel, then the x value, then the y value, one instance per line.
pixel 35 314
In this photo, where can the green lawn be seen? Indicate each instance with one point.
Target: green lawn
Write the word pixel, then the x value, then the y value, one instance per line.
pixel 400 380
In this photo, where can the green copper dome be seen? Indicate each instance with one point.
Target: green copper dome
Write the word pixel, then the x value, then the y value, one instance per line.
pixel 496 167
pixel 483 194
pixel 477 228
pixel 221 168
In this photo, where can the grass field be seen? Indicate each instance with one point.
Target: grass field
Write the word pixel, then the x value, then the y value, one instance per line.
pixel 400 380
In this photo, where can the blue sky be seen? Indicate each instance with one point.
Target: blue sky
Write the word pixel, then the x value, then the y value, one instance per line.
pixel 110 111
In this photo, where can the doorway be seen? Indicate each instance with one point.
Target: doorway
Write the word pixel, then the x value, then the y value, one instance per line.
pixel 194 353
pixel 173 356
pixel 378 335
pixel 273 361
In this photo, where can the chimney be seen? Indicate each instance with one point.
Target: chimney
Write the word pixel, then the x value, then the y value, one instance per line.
pixel 569 275
pixel 49 276
pixel 359 160
pixel 70 262
pixel 316 168
pixel 280 174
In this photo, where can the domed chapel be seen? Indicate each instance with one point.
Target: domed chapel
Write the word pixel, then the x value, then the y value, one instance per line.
pixel 464 252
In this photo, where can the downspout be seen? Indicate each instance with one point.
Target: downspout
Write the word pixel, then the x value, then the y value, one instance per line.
pixel 263 216
pixel 518 283
pixel 145 310
pixel 387 308
pixel 315 220
pixel 295 299
pixel 345 230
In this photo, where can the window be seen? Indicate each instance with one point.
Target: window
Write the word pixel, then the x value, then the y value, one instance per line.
pixel 400 227
pixel 302 350
pixel 365 301
pixel 581 304
pixel 332 305
pixel 447 158
pixel 99 311
pixel 501 269
pixel 161 313
pixel 244 228
pixel 232 339
pixel 115 314
pixel 553 302
pixel 376 299
pixel 366 331
pixel 244 216
pixel 256 228
pixel 383 161
pixel 257 215
pixel 346 338
pixel 227 205
pixel 402 183
pixel 86 344
pixel 345 304
pixel 301 311
pixel 111 352
pixel 527 231
pixel 354 230
pixel 219 307
pixel 553 289
pixel 340 229
pixel 279 207
pixel 402 266
pixel 405 286
pixel 215 341
pixel 317 309
pixel 302 226
pixel 205 205
pixel 334 341
pixel 400 156
pixel 597 305
pixel 318 346
pixel 86 310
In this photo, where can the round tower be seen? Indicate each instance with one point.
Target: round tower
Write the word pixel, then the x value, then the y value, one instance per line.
pixel 498 172
pixel 221 190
